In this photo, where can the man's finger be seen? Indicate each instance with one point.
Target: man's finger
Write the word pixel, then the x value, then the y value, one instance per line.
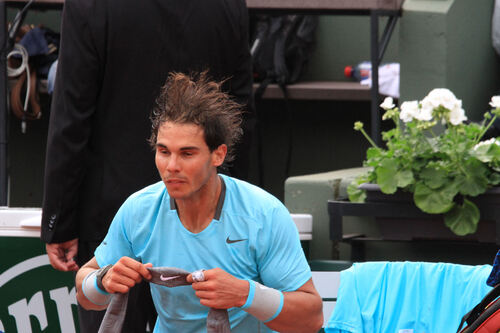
pixel 198 276
pixel 146 274
pixel 128 280
pixel 132 268
pixel 58 264
pixel 55 259
pixel 72 265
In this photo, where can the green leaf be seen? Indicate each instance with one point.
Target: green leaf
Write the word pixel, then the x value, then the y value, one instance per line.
pixel 386 176
pixel 386 136
pixel 494 178
pixel 404 178
pixel 372 153
pixel 433 177
pixel 495 152
pixel 355 194
pixel 463 219
pixel 434 201
pixel 474 181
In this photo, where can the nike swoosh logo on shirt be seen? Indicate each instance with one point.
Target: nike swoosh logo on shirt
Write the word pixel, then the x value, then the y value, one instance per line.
pixel 231 241
pixel 166 278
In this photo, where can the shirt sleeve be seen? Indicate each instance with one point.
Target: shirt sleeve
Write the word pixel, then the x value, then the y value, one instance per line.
pixel 73 105
pixel 117 242
pixel 282 263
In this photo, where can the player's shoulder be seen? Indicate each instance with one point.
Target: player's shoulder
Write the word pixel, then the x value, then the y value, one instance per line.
pixel 148 194
pixel 251 201
pixel 245 190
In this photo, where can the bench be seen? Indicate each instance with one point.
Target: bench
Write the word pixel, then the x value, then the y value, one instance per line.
pixel 326 279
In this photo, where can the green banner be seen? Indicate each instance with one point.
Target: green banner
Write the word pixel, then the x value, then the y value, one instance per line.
pixel 34 297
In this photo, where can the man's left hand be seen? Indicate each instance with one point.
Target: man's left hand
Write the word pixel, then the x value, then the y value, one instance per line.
pixel 220 290
pixel 61 255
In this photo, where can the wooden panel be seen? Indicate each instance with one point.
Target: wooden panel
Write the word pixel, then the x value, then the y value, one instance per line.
pixel 298 4
pixel 320 90
pixel 328 5
pixel 49 2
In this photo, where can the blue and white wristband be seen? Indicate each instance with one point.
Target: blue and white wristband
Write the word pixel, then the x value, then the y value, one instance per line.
pixel 263 303
pixel 92 291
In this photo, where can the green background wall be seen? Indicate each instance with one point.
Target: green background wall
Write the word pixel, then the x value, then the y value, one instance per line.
pixel 447 43
pixel 439 43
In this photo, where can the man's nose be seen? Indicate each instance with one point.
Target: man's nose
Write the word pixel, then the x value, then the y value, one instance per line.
pixel 173 163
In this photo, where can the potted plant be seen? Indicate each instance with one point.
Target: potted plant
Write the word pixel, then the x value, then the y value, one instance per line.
pixel 437 156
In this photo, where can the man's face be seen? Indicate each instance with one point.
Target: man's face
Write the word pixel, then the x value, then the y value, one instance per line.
pixel 183 159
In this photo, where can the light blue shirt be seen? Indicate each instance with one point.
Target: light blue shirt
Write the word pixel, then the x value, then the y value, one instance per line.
pixel 251 237
pixel 406 297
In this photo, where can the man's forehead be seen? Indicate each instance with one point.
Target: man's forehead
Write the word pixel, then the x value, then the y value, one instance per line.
pixel 174 128
pixel 180 135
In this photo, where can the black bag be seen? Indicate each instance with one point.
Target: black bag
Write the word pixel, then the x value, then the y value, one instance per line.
pixel 282 46
pixel 485 317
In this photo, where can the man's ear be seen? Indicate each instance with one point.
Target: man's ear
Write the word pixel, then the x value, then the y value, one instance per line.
pixel 219 154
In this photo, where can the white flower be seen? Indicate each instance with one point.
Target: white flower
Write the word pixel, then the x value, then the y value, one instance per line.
pixel 487 142
pixel 409 111
pixel 457 116
pixel 425 114
pixel 495 102
pixel 441 96
pixel 387 104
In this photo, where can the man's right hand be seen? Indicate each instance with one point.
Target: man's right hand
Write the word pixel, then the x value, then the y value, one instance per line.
pixel 61 255
pixel 125 274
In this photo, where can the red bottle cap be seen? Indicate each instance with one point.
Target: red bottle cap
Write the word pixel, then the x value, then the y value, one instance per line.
pixel 348 71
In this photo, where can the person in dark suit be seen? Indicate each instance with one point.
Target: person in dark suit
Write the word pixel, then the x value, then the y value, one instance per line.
pixel 114 57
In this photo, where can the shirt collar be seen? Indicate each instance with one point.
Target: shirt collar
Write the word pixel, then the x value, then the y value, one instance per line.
pixel 220 202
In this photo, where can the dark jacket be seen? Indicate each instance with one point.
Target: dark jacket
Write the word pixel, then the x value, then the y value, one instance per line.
pixel 114 57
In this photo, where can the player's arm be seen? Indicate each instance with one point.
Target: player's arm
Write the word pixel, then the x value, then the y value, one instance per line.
pixel 302 311
pixel 95 285
pixel 295 311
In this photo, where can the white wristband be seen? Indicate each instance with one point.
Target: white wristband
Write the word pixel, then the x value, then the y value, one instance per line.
pixel 93 292
pixel 263 303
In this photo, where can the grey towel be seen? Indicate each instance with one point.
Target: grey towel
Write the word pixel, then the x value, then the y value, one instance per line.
pixel 217 319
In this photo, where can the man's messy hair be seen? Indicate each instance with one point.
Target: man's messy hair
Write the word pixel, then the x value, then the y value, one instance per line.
pixel 196 99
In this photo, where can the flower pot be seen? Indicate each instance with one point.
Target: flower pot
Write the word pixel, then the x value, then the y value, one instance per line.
pixel 413 224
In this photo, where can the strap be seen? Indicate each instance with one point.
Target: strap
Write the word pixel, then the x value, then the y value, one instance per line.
pixel 24 89
pixel 280 70
pixel 289 119
pixel 17 95
pixel 262 87
pixel 472 316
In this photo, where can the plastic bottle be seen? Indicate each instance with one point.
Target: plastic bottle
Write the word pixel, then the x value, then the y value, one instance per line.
pixel 388 76
pixel 359 72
